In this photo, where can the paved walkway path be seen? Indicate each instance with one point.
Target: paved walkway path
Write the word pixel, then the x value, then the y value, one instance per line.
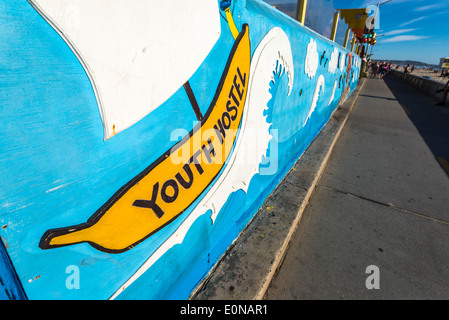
pixel 382 203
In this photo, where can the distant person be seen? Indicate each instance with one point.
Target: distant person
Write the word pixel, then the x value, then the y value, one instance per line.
pixel 382 69
pixel 407 69
pixel 443 98
pixel 374 70
pixel 388 68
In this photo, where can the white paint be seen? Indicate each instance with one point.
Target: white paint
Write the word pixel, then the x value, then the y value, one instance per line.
pixel 311 63
pixel 57 188
pixel 356 75
pixel 342 61
pixel 136 53
pixel 240 169
pixel 334 61
pixel 333 93
pixel 318 88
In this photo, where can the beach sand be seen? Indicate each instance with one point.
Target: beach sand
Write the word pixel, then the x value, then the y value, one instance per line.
pixel 428 73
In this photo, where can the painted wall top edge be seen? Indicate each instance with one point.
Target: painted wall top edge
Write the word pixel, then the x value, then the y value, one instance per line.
pixel 296 22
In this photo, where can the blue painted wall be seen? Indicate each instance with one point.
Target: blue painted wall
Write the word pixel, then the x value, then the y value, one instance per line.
pixel 10 286
pixel 56 169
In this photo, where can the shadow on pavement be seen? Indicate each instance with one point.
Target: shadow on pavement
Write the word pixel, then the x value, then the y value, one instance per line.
pixel 431 121
pixel 377 97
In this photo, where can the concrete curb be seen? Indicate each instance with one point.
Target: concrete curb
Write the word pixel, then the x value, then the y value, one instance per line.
pixel 427 86
pixel 246 269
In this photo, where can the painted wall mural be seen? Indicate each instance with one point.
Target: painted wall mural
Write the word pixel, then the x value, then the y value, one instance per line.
pixel 135 149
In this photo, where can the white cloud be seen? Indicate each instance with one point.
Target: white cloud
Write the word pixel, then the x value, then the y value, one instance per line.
pixel 443 12
pixel 432 6
pixel 413 21
pixel 404 38
pixel 398 31
pixel 375 2
pixel 368 3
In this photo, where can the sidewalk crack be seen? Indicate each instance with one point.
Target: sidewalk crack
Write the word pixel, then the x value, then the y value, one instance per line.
pixel 389 205
pixel 296 185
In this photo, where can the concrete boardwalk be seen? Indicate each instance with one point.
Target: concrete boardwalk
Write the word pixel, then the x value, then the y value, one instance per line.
pixel 382 200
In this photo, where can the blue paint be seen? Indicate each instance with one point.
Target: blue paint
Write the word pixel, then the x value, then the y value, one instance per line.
pixel 10 286
pixel 56 169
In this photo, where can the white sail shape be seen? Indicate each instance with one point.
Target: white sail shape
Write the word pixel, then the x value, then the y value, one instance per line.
pixel 137 53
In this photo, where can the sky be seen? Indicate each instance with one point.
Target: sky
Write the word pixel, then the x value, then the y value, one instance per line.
pixel 414 29
pixel 409 29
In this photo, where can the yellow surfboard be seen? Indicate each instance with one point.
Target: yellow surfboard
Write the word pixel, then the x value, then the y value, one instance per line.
pixel 159 194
